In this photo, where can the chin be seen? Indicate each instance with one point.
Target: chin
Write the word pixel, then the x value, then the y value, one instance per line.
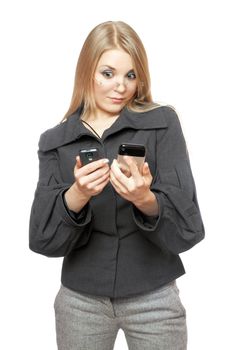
pixel 117 106
pixel 113 108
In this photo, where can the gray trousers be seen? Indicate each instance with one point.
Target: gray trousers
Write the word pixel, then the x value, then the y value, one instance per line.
pixel 154 320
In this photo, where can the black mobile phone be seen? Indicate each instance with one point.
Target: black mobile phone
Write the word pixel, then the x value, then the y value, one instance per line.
pixel 88 155
pixel 137 151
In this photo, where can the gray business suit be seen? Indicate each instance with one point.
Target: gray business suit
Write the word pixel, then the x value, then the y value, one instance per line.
pixel 110 248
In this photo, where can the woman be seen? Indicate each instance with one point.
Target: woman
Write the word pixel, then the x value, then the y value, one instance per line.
pixel 120 231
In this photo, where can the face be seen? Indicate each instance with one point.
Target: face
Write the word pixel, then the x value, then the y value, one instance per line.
pixel 115 82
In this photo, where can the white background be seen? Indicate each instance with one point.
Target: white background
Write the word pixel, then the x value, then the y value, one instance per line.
pixel 189 48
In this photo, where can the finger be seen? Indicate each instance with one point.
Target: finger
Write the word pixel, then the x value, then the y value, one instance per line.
pixel 125 170
pixel 119 188
pixel 99 188
pixel 133 167
pixel 96 185
pixel 145 169
pixel 89 168
pixel 146 173
pixel 93 176
pixel 78 162
pixel 115 168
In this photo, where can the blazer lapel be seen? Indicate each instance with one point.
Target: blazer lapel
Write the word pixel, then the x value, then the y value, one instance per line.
pixel 73 128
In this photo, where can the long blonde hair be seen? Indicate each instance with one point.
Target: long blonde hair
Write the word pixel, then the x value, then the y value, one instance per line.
pixel 106 36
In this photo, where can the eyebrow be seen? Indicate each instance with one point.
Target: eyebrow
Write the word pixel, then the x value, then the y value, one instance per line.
pixel 106 65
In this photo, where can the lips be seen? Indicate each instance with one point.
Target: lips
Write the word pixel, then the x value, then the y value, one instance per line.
pixel 116 98
pixel 117 101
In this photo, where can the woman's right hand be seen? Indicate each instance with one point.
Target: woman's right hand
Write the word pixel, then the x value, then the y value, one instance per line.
pixel 91 178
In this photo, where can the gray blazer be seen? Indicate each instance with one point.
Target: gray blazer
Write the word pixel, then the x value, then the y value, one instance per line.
pixel 110 248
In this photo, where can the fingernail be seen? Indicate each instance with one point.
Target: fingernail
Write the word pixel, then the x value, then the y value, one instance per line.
pixel 106 161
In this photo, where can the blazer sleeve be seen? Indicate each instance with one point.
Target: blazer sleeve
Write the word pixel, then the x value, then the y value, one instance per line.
pixel 179 225
pixel 54 230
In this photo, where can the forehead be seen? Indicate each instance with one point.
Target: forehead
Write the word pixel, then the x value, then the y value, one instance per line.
pixel 116 58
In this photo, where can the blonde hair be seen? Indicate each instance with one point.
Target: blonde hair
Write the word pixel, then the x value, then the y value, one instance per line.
pixel 106 36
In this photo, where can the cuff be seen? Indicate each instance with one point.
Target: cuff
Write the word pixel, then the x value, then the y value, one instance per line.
pixel 82 218
pixel 145 222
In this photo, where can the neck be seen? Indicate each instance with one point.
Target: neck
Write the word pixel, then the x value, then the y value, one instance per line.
pixel 100 117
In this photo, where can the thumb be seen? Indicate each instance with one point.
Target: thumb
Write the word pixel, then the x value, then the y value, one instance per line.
pixel 78 162
pixel 145 169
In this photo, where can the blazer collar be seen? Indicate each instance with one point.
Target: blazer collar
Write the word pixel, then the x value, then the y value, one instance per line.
pixel 73 128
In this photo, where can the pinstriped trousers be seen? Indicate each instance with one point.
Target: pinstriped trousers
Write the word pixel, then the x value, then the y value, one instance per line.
pixel 154 320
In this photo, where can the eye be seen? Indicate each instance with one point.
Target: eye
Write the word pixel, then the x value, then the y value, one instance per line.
pixel 107 74
pixel 131 75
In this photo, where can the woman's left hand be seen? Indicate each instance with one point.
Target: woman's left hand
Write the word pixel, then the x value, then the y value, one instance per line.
pixel 135 187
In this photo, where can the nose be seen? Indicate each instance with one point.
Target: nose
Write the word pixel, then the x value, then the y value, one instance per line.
pixel 120 87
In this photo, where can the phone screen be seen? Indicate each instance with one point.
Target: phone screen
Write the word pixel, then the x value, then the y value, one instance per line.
pixel 137 151
pixel 88 155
